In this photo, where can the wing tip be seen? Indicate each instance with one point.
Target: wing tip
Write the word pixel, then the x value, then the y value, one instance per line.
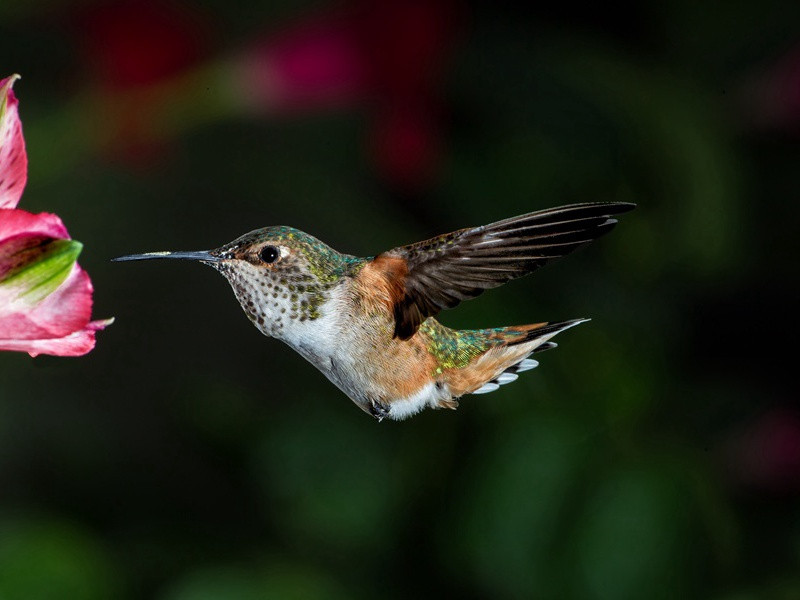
pixel 545 331
pixel 622 207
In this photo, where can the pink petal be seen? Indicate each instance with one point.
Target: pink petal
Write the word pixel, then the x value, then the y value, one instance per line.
pixel 77 343
pixel 66 310
pixel 13 159
pixel 14 223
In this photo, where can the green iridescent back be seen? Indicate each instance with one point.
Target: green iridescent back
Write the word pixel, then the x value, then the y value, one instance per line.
pixel 455 349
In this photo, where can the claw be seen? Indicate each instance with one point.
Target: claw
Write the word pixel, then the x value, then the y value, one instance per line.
pixel 379 410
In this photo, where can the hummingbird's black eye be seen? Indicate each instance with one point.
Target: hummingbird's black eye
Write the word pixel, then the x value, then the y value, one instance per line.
pixel 269 254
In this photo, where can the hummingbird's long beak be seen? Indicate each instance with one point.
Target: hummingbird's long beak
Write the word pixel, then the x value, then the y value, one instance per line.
pixel 202 255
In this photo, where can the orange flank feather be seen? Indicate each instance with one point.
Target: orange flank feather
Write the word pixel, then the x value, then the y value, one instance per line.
pixel 381 283
pixel 405 367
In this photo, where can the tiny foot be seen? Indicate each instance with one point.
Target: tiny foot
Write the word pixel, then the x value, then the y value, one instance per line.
pixel 379 410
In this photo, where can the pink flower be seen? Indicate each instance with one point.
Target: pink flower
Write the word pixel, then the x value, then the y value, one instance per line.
pixel 45 297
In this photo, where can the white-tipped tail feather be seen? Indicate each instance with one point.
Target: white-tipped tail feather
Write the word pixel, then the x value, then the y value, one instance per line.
pixel 526 365
pixel 487 387
pixel 511 373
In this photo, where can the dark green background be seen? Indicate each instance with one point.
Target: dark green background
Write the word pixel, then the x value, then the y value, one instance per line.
pixel 189 458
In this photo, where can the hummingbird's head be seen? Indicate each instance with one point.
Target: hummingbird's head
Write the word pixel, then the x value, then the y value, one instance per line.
pixel 280 275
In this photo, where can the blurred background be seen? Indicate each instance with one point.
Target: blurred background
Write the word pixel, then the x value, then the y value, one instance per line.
pixel 655 454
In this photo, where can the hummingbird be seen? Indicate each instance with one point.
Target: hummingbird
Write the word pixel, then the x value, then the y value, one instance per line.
pixel 369 323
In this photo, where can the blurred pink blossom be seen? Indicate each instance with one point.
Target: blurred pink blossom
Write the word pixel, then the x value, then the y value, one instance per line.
pixel 767 454
pixel 153 76
pixel 45 297
pixel 773 96
pixel 314 64
pixel 133 52
pixel 384 57
pixel 136 43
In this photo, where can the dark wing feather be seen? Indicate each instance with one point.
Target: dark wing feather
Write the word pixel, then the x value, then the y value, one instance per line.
pixel 457 266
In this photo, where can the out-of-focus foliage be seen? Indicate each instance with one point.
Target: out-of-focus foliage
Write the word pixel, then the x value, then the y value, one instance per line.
pixel 655 453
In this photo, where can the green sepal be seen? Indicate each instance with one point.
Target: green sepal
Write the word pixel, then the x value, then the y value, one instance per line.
pixel 41 271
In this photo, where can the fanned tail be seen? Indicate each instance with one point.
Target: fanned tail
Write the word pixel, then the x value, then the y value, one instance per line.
pixel 503 362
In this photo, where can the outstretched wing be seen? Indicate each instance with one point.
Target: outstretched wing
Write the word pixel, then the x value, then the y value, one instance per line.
pixel 441 272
